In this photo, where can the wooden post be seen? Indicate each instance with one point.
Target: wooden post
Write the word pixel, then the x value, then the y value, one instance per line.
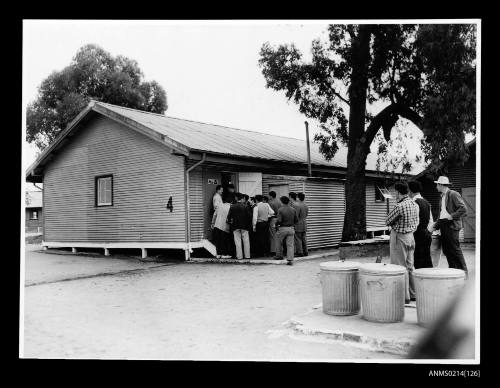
pixel 144 253
pixel 106 252
pixel 45 248
pixel 186 254
pixel 73 250
pixel 309 170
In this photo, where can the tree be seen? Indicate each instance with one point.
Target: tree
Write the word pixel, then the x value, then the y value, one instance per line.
pixel 424 74
pixel 94 74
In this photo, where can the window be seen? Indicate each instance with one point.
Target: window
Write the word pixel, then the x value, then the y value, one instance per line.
pixel 104 190
pixel 382 193
pixel 34 215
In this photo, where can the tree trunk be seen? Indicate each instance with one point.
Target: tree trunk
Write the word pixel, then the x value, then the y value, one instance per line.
pixel 355 189
pixel 355 194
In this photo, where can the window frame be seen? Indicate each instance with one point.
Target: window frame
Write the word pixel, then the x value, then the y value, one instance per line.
pixel 379 197
pixel 96 181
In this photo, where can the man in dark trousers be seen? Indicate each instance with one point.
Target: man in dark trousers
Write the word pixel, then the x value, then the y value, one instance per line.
pixel 240 220
pixel 451 210
pixel 286 219
pixel 301 227
pixel 422 236
pixel 275 205
pixel 260 223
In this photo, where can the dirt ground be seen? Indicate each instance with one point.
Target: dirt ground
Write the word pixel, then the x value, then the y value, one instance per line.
pixel 181 311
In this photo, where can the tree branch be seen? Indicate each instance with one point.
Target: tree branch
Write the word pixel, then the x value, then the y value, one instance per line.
pixel 339 96
pixel 387 118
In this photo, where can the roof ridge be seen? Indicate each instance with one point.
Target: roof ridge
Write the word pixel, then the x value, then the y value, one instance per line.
pixel 198 122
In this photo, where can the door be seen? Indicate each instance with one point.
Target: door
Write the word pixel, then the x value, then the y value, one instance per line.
pixel 469 196
pixel 211 179
pixel 250 183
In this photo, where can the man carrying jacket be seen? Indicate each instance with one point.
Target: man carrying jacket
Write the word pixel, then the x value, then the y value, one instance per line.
pixel 451 210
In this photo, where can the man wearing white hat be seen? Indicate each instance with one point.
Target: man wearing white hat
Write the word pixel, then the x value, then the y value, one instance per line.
pixel 451 210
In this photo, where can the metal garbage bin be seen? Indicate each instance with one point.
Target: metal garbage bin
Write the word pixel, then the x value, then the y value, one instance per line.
pixel 339 285
pixel 435 288
pixel 382 291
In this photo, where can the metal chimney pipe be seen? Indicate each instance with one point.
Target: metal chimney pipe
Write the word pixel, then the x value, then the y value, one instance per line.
pixel 309 170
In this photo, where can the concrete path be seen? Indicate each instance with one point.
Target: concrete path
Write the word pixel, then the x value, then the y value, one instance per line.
pixel 395 338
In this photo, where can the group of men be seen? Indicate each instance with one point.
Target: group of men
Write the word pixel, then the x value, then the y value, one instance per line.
pixel 259 226
pixel 412 227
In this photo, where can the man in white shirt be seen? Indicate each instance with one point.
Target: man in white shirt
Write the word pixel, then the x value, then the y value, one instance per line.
pixel 217 198
pixel 260 222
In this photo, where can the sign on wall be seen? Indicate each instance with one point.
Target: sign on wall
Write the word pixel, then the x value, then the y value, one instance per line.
pixel 213 181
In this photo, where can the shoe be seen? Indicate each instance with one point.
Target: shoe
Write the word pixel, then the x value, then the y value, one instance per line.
pixel 289 262
pixel 278 258
pixel 413 300
pixel 407 301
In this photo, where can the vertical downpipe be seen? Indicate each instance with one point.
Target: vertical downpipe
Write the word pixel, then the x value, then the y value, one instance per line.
pixel 188 207
pixel 309 170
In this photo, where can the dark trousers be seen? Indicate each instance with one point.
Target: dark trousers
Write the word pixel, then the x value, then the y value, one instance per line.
pixel 222 241
pixel 300 243
pixel 261 238
pixel 451 247
pixel 422 255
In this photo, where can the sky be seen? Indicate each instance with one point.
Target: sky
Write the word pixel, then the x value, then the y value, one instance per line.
pixel 209 69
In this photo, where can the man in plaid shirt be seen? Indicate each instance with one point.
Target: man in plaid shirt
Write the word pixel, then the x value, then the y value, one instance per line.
pixel 403 220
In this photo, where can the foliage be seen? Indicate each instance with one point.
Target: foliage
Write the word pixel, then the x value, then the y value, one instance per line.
pixel 423 73
pixel 93 74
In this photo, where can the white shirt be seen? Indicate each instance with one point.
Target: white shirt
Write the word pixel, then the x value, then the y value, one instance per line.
pixel 265 211
pixel 444 214
pixel 217 200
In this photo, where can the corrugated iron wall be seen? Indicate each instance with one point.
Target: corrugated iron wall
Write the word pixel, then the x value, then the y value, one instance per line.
pixel 295 183
pixel 196 202
pixel 376 211
pixel 326 201
pixel 145 175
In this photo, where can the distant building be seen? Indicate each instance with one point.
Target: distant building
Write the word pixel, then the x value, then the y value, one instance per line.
pixel 463 180
pixel 34 212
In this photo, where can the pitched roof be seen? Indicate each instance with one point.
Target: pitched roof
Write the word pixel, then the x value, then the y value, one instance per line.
pixel 217 139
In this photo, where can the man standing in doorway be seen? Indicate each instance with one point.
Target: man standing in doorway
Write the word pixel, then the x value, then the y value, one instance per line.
pixel 275 204
pixel 403 220
pixel 240 220
pixel 217 198
pixel 422 235
pixel 231 193
pixel 260 223
pixel 287 218
pixel 301 226
pixel 451 210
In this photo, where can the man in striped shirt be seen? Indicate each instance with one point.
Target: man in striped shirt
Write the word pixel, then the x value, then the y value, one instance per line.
pixel 403 220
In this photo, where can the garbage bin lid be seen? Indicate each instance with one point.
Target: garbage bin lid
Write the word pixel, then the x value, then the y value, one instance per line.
pixel 382 269
pixel 441 273
pixel 339 265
